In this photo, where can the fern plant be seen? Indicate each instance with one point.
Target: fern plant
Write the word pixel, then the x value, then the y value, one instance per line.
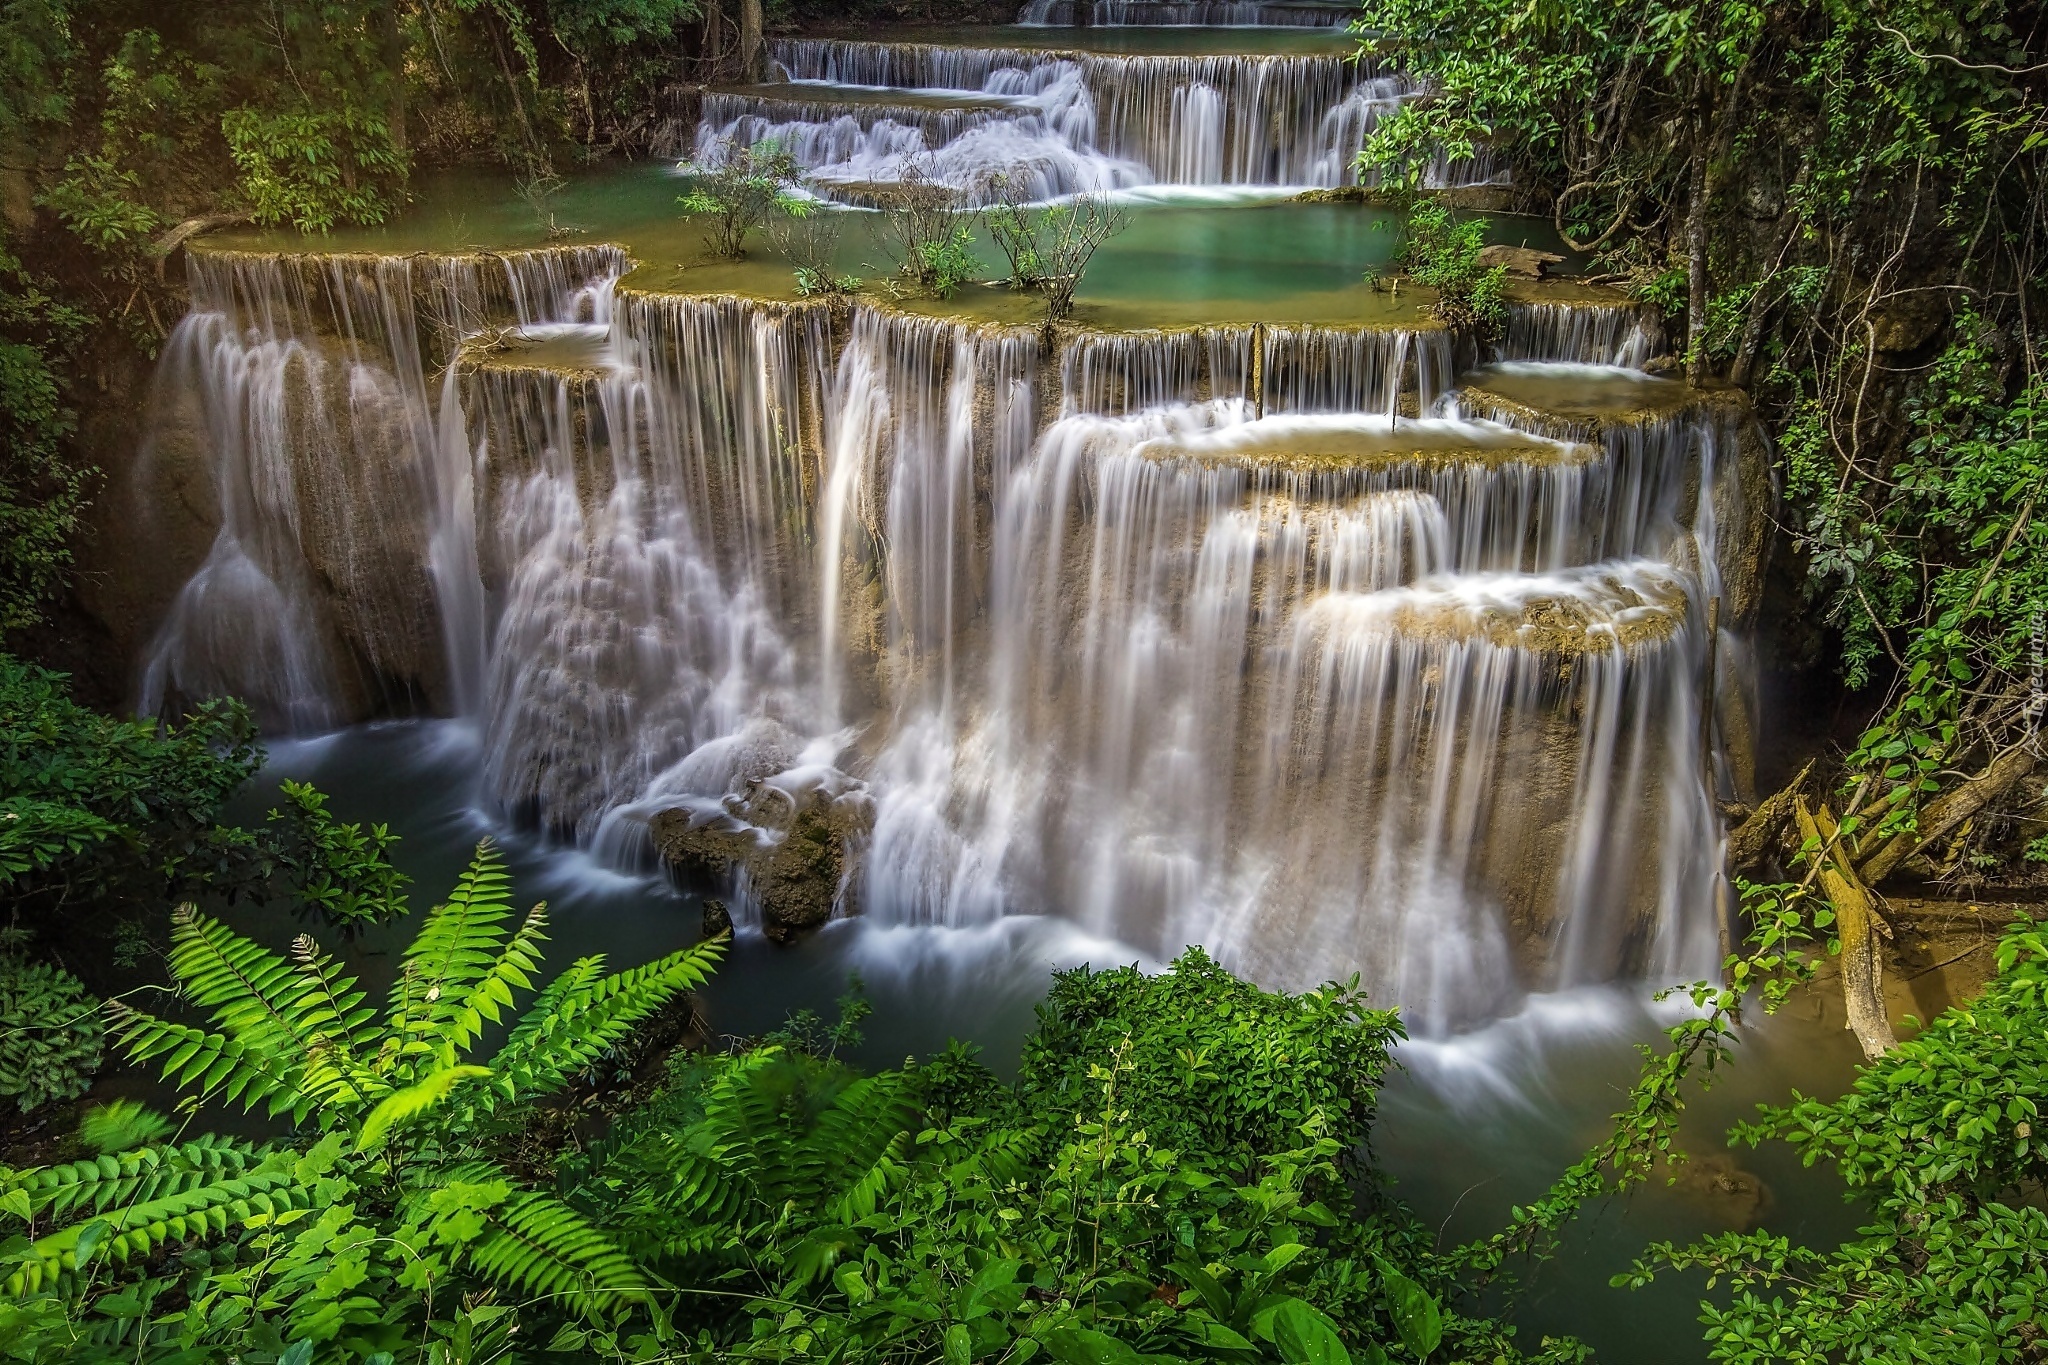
pixel 388 1198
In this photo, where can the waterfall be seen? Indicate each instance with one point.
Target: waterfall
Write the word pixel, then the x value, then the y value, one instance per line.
pixel 1061 122
pixel 1218 13
pixel 1622 334
pixel 302 384
pixel 1193 636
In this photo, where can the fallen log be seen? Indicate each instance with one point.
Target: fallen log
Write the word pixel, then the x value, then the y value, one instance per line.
pixel 184 232
pixel 1755 836
pixel 1858 924
pixel 1519 260
pixel 1950 809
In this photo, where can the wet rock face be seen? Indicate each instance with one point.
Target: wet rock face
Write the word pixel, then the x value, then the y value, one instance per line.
pixel 789 850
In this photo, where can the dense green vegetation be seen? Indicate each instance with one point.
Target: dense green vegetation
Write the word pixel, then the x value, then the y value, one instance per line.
pixel 1844 204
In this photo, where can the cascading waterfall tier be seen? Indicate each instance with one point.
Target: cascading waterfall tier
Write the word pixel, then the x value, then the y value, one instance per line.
pixel 1195 636
pixel 1052 123
pixel 1221 13
pixel 341 570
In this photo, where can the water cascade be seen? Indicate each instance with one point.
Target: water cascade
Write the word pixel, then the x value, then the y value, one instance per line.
pixel 301 385
pixel 858 114
pixel 1219 13
pixel 1192 636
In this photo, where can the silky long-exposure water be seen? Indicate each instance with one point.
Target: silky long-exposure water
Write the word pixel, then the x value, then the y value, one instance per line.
pixel 1253 609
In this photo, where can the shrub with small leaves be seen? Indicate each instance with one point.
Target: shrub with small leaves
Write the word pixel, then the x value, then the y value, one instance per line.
pixel 51 1034
pixel 739 189
pixel 1443 253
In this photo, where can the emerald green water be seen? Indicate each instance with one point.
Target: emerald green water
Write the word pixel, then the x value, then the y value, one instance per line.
pixel 1189 257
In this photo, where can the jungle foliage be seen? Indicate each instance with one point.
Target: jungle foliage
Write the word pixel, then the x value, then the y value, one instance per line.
pixel 1938 1141
pixel 1845 203
pixel 384 1226
pixel 1179 1172
pixel 105 823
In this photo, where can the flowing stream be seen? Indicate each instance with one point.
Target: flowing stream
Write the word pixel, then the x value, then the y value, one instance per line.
pixel 1335 646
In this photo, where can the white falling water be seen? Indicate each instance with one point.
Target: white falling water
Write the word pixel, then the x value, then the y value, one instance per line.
pixel 1189 636
pixel 1207 13
pixel 1062 123
pixel 303 384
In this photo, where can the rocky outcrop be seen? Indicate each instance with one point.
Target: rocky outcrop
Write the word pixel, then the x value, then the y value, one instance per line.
pixel 784 850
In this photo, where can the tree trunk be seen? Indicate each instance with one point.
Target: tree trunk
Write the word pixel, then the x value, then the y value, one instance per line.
pixel 1862 965
pixel 753 52
pixel 394 68
pixel 1696 241
pixel 711 52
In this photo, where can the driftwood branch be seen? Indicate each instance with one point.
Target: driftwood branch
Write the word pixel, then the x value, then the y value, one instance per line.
pixel 1858 924
pixel 1756 835
pixel 184 232
pixel 1950 809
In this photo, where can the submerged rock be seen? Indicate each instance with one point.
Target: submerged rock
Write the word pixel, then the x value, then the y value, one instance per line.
pixel 717 919
pixel 787 848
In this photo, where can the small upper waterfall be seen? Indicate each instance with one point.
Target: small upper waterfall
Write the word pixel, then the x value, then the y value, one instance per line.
pixel 1220 13
pixel 1062 122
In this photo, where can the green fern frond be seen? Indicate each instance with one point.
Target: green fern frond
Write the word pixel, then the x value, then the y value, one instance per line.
pixel 486 1001
pixel 580 1016
pixel 857 1151
pixel 538 1246
pixel 134 1176
pixel 252 993
pixel 198 1190
pixel 218 1066
pixel 411 1102
pixel 332 1006
pixel 456 946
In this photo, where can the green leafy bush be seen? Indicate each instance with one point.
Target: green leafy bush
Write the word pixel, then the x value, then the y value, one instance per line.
pixel 1049 249
pixel 1162 1182
pixel 740 189
pixel 1218 1066
pixel 337 871
pixel 313 168
pixel 97 808
pixel 1442 252
pixel 43 488
pixel 925 230
pixel 51 1035
pixel 124 816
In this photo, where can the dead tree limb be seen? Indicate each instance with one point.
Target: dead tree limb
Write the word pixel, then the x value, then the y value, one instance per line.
pixel 1951 808
pixel 1858 925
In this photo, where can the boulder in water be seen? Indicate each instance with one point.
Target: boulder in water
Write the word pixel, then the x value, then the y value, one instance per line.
pixel 790 846
pixel 717 919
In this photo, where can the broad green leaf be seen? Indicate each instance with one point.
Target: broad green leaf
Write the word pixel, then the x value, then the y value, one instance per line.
pixel 1306 1336
pixel 1081 1346
pixel 1415 1313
